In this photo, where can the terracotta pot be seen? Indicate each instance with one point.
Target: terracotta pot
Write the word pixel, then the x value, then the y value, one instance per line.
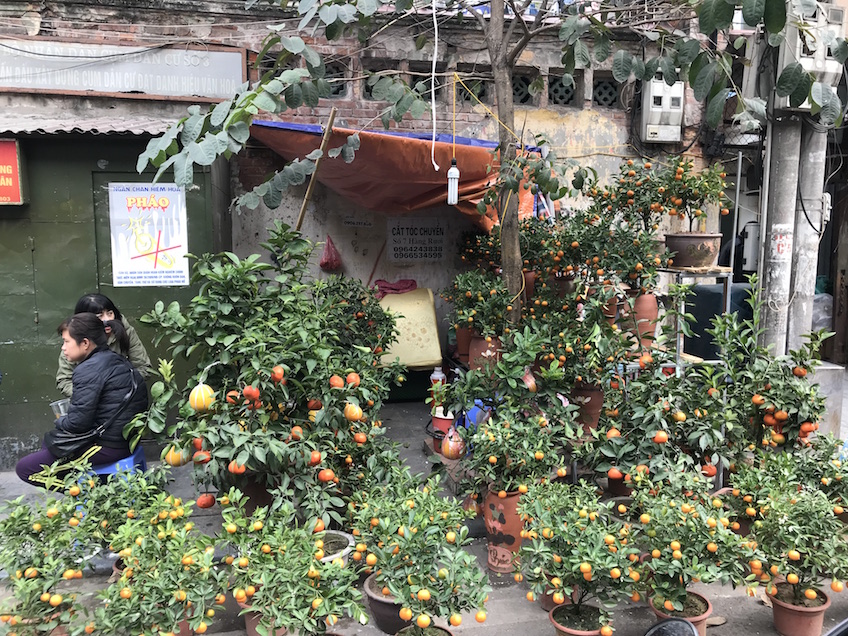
pixel 383 609
pixel 700 622
pixel 590 399
pixel 442 421
pixel 529 285
pixel 797 620
pixel 562 285
pixel 481 352
pixel 694 249
pixel 546 601
pixel 564 630
pixel 503 530
pixel 641 321
pixel 463 340
pixel 337 536
pixel 618 488
pixel 252 620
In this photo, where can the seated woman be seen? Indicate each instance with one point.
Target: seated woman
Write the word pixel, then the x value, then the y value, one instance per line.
pixel 108 392
pixel 132 348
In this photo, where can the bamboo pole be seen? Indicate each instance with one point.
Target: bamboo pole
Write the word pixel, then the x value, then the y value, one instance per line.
pixel 325 141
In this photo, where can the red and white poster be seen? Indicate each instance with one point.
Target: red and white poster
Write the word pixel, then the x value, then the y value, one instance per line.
pixel 11 186
pixel 149 235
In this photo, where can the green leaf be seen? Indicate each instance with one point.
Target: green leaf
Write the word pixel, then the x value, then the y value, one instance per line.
pixel 789 79
pixel 774 15
pixel 669 71
pixel 265 101
pixel 293 44
pixel 582 59
pixel 723 14
pixel 802 93
pixel 420 41
pixel 367 7
pixel 752 11
pixel 601 48
pixel 220 112
pixel 622 62
pixel 715 109
pixel 310 94
pixel 839 50
pixel 687 51
pixel 293 96
pixel 704 81
pixel 706 16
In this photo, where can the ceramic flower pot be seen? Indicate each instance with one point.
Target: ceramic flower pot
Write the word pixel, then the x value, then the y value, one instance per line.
pixel 590 400
pixel 337 545
pixel 252 620
pixel 640 321
pixel 699 621
pixel 503 529
pixel 463 341
pixel 559 619
pixel 481 353
pixel 383 609
pixel 693 249
pixel 798 620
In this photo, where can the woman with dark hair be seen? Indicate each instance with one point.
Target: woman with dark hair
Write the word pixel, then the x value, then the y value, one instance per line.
pixel 108 392
pixel 130 347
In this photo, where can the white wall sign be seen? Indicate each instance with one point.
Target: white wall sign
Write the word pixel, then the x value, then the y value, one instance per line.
pixel 413 240
pixel 129 71
pixel 149 235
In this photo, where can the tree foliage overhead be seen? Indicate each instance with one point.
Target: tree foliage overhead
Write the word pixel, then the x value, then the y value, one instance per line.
pixel 681 40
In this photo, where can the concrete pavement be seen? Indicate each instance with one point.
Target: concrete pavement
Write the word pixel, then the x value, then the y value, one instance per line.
pixel 509 611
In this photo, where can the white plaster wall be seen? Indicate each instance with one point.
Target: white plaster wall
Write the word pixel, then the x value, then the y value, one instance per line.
pixel 362 249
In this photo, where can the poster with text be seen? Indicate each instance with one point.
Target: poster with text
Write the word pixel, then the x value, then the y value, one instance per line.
pixel 149 235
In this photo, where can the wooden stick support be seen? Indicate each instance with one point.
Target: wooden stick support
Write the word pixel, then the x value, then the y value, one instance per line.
pixel 325 141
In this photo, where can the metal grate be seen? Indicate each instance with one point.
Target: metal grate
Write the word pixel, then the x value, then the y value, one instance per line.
pixel 560 93
pixel 477 87
pixel 521 89
pixel 605 93
pixel 336 74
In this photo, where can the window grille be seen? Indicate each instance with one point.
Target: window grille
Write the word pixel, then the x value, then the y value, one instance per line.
pixel 521 89
pixel 560 93
pixel 336 71
pixel 605 93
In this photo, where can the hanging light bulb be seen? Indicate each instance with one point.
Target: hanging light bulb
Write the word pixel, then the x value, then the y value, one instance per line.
pixel 453 183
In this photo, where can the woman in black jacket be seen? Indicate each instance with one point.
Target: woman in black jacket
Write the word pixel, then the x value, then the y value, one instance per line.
pixel 103 381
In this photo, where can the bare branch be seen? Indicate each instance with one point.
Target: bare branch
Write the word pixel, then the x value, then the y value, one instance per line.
pixel 467 6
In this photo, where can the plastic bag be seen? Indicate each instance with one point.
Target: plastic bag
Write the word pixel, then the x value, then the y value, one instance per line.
pixel 331 260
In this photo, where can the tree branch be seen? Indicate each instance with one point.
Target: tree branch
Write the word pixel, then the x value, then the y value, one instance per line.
pixel 467 6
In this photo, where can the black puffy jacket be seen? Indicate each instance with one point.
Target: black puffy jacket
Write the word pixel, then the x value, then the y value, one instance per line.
pixel 101 383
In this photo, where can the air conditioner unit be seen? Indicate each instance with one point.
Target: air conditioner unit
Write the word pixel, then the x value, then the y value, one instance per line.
pixel 662 111
pixel 811 49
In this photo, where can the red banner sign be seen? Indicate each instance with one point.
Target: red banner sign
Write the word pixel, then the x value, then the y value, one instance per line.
pixel 11 188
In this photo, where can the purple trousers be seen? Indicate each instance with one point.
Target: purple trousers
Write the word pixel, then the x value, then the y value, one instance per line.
pixel 32 463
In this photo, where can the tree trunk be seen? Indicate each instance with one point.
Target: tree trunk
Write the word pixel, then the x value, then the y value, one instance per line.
pixel 511 261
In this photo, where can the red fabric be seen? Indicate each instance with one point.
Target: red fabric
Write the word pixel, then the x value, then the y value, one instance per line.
pixel 384 287
pixel 394 175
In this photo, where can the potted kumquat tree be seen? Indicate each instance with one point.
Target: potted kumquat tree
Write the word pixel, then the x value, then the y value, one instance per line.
pixel 412 539
pixel 574 551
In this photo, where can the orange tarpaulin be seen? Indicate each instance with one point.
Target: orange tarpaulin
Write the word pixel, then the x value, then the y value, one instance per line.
pixel 392 173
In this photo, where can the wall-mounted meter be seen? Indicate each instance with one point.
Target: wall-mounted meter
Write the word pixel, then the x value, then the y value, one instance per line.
pixel 662 110
pixel 809 47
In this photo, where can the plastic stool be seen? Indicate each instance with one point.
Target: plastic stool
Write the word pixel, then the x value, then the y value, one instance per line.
pixel 134 462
